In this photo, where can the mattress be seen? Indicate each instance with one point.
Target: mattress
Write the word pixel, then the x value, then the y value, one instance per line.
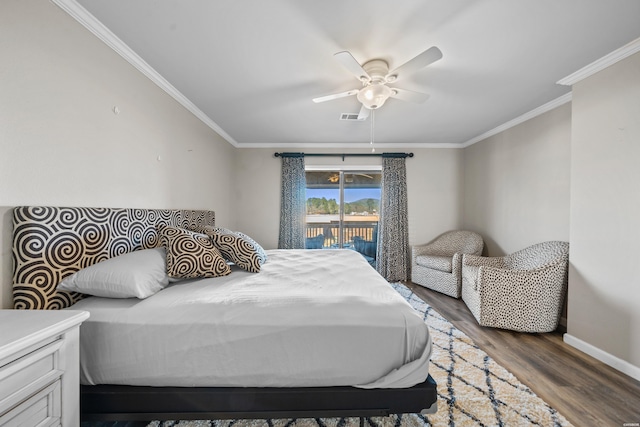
pixel 310 318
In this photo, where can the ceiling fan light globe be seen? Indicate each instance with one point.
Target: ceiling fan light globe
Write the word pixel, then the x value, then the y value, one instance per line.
pixel 374 96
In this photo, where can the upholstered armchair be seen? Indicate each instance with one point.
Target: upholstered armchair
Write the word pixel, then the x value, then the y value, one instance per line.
pixel 437 265
pixel 523 291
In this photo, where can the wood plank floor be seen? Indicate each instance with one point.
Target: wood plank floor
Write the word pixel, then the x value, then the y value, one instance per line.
pixel 586 391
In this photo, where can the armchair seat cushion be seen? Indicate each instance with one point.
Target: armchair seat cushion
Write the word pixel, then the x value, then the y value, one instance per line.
pixel 440 263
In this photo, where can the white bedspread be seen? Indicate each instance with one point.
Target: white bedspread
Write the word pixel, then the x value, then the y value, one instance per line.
pixel 309 318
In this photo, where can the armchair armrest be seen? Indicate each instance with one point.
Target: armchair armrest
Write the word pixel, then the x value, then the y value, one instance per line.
pixel 456 267
pixel 478 261
pixel 472 264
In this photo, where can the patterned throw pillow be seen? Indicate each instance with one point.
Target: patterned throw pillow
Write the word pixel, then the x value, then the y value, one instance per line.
pixel 261 253
pixel 191 254
pixel 236 249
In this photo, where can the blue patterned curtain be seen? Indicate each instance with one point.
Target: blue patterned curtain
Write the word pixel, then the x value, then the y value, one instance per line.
pixel 393 233
pixel 292 203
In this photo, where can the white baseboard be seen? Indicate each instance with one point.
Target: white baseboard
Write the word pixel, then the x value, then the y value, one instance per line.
pixel 611 360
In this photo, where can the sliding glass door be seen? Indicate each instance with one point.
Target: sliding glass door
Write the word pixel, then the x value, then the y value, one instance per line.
pixel 342 210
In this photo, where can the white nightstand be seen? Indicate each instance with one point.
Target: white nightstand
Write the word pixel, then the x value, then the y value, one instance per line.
pixel 39 367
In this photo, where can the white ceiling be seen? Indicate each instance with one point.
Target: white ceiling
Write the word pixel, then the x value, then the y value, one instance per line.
pixel 253 66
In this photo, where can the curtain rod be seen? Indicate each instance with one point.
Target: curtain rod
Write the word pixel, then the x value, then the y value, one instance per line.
pixel 343 155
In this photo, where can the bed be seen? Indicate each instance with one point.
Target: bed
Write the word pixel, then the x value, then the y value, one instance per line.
pixel 300 338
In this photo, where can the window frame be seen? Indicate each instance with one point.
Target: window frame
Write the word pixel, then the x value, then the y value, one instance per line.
pixel 342 169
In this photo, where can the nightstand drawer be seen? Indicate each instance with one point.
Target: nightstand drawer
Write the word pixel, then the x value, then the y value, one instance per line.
pixel 39 361
pixel 41 410
pixel 29 374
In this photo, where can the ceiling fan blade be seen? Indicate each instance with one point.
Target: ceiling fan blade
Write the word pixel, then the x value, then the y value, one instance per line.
pixel 364 113
pixel 408 95
pixel 427 57
pixel 335 96
pixel 350 63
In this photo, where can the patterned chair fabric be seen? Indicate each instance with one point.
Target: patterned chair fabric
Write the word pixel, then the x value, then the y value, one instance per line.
pixel 437 265
pixel 523 291
pixel 51 243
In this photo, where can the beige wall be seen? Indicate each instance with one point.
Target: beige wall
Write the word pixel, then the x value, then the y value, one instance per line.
pixel 604 282
pixel 433 184
pixel 434 187
pixel 62 145
pixel 516 184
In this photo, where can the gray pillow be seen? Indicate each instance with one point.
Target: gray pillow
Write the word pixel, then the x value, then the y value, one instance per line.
pixel 137 274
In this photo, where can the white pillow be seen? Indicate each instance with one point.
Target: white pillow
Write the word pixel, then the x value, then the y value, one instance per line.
pixel 137 274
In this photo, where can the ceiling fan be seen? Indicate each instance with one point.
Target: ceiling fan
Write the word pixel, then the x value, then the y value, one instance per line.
pixel 374 76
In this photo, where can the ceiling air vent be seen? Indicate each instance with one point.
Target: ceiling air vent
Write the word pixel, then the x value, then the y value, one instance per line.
pixel 349 116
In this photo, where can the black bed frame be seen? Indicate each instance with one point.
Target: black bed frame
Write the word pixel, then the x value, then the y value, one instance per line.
pixel 133 403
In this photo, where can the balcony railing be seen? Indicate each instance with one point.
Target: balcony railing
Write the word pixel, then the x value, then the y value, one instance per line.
pixel 330 231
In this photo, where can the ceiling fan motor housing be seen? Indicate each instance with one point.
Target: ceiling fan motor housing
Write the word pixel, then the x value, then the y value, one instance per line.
pixel 374 94
pixel 377 70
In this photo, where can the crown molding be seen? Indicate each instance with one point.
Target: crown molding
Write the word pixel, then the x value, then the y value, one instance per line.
pixel 521 119
pixel 602 63
pixel 86 19
pixel 360 145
